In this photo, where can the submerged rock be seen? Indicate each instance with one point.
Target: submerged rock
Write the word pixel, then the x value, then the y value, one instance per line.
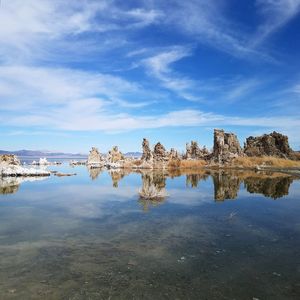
pixel 44 162
pixel 77 162
pixel 59 174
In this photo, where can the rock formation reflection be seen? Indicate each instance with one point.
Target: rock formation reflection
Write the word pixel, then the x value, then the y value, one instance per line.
pixel 193 179
pixel 226 185
pixel 117 175
pixel 95 172
pixel 273 185
pixel 270 187
pixel 153 191
pixel 10 185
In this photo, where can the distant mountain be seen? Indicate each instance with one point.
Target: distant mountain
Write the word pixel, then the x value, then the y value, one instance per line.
pixel 36 153
pixel 134 154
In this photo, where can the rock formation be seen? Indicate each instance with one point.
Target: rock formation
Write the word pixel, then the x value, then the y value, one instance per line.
pixel 173 154
pixel 273 144
pixel 94 159
pixel 193 151
pixel 147 155
pixel 9 159
pixel 226 146
pixel 159 153
pixel 10 166
pixel 114 155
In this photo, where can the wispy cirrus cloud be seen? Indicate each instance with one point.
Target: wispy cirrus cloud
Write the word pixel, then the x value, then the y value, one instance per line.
pixel 54 27
pixel 67 65
pixel 70 100
pixel 206 23
pixel 242 88
pixel 159 66
pixel 275 14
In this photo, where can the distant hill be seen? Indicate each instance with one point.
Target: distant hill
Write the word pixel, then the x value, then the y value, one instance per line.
pixel 36 153
pixel 134 154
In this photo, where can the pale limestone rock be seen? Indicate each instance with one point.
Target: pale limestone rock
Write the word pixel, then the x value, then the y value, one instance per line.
pixel 226 146
pixel 95 158
pixel 147 155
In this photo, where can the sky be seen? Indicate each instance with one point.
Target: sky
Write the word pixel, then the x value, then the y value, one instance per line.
pixel 77 74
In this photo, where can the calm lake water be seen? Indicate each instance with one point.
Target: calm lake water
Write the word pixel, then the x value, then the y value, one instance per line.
pixel 215 235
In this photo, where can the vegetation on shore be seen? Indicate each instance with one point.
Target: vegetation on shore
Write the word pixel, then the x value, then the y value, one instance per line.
pixel 186 164
pixel 264 161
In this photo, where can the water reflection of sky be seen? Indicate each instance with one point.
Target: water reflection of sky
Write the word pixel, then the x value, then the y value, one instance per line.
pixel 79 237
pixel 82 195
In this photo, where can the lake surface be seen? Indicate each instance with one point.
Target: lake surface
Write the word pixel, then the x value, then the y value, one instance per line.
pixel 207 235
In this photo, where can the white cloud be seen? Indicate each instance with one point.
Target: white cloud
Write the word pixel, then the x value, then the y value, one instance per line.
pixel 159 66
pixel 276 14
pixel 66 99
pixel 35 87
pixel 206 23
pixel 31 29
pixel 61 98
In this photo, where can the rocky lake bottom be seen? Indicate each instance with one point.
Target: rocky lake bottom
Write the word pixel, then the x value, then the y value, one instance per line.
pixel 96 235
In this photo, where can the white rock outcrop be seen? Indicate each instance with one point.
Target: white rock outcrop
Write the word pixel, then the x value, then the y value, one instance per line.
pixel 12 170
pixel 10 166
pixel 95 159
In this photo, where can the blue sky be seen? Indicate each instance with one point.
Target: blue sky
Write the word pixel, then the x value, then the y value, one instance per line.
pixel 76 74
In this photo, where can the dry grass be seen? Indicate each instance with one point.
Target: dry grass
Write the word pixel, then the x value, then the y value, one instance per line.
pixel 174 164
pixel 264 161
pixel 186 164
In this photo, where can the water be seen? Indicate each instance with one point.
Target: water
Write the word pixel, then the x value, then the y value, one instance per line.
pixel 207 235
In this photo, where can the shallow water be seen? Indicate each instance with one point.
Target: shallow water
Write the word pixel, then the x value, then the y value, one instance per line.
pixel 96 235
